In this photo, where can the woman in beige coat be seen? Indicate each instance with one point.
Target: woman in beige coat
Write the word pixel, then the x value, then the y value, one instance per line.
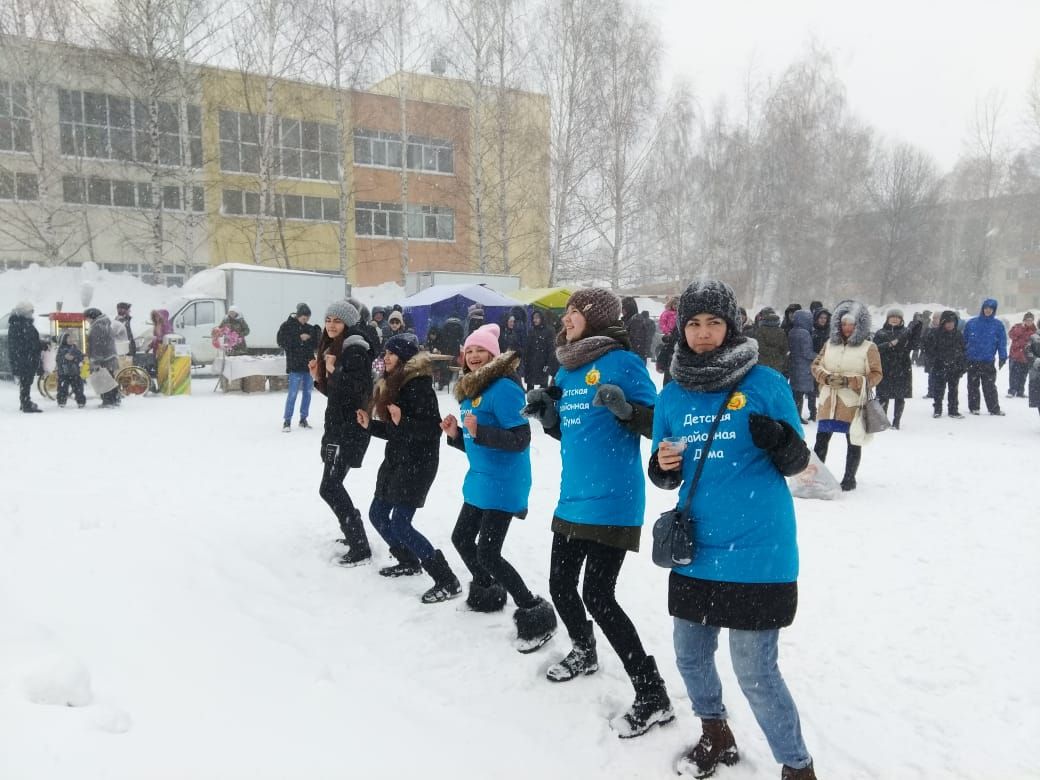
pixel 847 367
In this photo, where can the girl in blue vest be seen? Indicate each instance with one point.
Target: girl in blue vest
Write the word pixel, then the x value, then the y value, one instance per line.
pixel 745 566
pixel 600 405
pixel 497 440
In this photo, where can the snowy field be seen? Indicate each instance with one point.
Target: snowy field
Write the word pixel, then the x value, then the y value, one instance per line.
pixel 167 567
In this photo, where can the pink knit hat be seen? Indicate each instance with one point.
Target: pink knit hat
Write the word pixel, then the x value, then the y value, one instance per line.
pixel 485 336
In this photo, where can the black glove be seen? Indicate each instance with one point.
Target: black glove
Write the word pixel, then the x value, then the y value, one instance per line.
pixel 766 433
pixel 541 405
pixel 1001 363
pixel 613 397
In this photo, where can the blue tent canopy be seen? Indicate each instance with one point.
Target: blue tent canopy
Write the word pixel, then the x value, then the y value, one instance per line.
pixel 434 305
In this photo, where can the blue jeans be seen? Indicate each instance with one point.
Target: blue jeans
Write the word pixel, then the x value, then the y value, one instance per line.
pixel 394 524
pixel 754 655
pixel 298 380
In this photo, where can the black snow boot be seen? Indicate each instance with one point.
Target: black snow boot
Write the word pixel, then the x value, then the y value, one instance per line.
pixel 716 746
pixel 852 459
pixel 823 443
pixel 407 564
pixel 651 706
pixel 535 625
pixel 445 583
pixel 580 660
pixel 356 540
pixel 486 598
pixel 30 408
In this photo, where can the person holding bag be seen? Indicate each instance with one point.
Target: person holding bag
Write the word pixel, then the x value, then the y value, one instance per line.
pixel 742 436
pixel 846 370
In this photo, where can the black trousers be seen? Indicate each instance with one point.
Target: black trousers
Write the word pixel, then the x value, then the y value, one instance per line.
pixel 900 404
pixel 940 382
pixel 602 566
pixel 335 495
pixel 1017 378
pixel 25 382
pixel 980 371
pixel 478 536
pixel 71 384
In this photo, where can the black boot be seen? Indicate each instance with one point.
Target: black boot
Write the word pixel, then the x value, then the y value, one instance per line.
pixel 535 625
pixel 356 539
pixel 716 746
pixel 805 773
pixel 580 660
pixel 445 583
pixel 823 441
pixel 651 706
pixel 486 598
pixel 407 564
pixel 851 467
pixel 31 408
pixel 897 414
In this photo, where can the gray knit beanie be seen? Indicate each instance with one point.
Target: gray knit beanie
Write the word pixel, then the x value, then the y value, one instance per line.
pixel 343 310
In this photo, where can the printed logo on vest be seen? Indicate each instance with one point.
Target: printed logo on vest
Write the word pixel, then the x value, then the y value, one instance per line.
pixel 738 401
pixel 476 401
pixel 592 378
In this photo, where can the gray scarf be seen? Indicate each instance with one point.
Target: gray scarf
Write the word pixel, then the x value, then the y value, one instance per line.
pixel 578 353
pixel 715 370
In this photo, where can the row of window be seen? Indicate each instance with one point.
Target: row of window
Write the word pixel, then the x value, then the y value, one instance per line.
pixel 240 203
pixel 391 220
pixel 374 147
pixel 108 127
pixel 19 186
pixel 96 191
pixel 302 150
pixel 15 125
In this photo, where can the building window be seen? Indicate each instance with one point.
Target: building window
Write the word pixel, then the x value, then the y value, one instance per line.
pixel 19 186
pixel 108 127
pixel 1010 274
pixel 379 149
pixel 423 223
pixel 96 191
pixel 302 150
pixel 305 207
pixel 15 125
pixel 1010 301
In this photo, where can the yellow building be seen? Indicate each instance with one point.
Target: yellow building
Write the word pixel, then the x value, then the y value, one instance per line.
pixel 239 178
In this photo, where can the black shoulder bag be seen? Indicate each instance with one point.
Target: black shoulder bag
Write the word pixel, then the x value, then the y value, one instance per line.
pixel 673 531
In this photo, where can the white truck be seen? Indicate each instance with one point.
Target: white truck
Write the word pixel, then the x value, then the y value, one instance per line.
pixel 419 280
pixel 264 296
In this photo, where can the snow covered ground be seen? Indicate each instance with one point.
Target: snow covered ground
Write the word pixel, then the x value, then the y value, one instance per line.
pixel 167 568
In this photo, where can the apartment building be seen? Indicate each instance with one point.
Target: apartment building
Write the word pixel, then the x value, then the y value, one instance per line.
pixel 161 176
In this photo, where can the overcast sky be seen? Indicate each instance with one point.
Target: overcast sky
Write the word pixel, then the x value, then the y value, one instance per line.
pixel 912 68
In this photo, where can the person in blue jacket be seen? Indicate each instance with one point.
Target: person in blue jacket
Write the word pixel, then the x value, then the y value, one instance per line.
pixel 745 566
pixel 601 404
pixel 984 340
pixel 497 441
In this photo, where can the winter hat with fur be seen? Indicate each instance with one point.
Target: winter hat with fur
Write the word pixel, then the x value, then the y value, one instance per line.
pixel 396 315
pixel 710 297
pixel 485 336
pixel 23 309
pixel 303 310
pixel 345 311
pixel 894 313
pixel 404 345
pixel 598 305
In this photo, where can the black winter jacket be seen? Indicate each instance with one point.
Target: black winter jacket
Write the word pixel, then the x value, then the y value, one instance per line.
pixel 897 381
pixel 349 388
pixel 540 355
pixel 413 446
pixel 68 367
pixel 298 351
pixel 23 344
pixel 946 349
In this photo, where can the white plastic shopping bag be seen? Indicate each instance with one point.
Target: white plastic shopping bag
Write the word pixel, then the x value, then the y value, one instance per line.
pixel 815 481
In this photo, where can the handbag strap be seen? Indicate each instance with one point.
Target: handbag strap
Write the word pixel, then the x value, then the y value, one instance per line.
pixel 704 450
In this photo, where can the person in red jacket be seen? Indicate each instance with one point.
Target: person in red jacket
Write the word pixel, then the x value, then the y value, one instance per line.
pixel 1019 370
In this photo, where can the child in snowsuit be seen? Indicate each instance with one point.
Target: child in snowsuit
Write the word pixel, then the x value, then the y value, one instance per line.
pixel 70 360
pixel 497 441
pixel 405 413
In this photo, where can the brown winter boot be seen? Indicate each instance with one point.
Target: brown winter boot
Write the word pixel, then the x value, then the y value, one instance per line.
pixel 805 773
pixel 716 746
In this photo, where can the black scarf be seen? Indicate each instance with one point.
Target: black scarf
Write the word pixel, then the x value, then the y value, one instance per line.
pixel 574 354
pixel 715 370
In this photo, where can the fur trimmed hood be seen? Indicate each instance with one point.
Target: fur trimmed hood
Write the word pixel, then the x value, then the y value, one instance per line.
pixel 862 317
pixel 473 383
pixel 388 389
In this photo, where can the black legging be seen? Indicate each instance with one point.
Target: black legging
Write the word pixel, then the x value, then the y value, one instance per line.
pixel 602 566
pixel 897 415
pixel 478 536
pixel 335 495
pixel 852 456
pixel 811 398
